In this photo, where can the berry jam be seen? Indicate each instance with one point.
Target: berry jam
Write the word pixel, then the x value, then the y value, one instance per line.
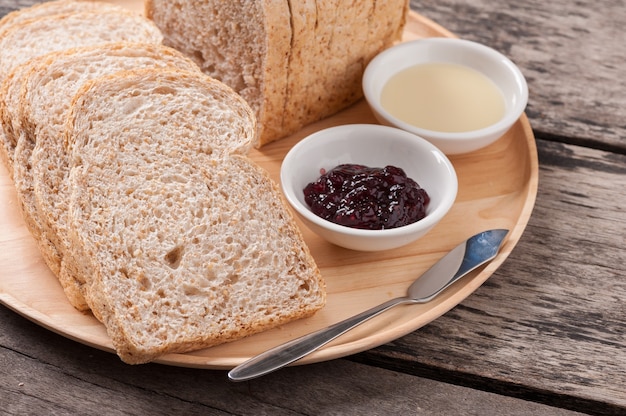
pixel 361 197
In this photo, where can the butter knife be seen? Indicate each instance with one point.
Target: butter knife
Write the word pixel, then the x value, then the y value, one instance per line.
pixel 467 256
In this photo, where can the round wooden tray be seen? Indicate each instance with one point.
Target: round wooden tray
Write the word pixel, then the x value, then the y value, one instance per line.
pixel 497 189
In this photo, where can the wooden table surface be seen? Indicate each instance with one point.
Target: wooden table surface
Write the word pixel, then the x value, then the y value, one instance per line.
pixel 546 334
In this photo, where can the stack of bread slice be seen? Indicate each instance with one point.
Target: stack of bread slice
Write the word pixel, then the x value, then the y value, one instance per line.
pixel 131 169
pixel 59 25
pixel 293 61
pixel 32 33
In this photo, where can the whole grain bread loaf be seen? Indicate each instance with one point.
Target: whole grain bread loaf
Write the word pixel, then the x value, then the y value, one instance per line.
pixel 294 61
pixel 183 242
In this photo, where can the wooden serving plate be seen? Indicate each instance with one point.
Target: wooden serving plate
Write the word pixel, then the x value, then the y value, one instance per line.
pixel 497 189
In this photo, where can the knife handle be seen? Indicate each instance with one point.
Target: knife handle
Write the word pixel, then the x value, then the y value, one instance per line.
pixel 285 354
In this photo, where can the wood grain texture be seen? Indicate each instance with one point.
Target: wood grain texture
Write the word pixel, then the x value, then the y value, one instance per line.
pixel 43 373
pixel 572 54
pixel 552 318
pixel 8 6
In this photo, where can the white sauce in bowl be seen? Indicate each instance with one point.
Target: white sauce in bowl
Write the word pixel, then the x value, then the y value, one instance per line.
pixel 443 97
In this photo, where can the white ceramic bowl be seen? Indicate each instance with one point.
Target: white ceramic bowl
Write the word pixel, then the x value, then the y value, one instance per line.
pixel 374 146
pixel 504 73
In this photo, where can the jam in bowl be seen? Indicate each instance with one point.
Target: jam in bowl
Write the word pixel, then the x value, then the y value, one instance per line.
pixel 375 147
pixel 369 198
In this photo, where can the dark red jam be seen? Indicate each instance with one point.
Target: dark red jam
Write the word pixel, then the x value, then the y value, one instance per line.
pixel 361 197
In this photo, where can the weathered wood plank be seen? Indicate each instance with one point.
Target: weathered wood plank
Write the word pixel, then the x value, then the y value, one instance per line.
pixel 572 54
pixel 43 373
pixel 552 318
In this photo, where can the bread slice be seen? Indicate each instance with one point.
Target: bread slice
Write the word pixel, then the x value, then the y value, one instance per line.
pixel 31 38
pixel 8 140
pixel 331 42
pixel 27 39
pixel 24 40
pixel 331 47
pixel 184 243
pixel 50 8
pixel 304 20
pixel 337 41
pixel 26 202
pixel 243 44
pixel 48 85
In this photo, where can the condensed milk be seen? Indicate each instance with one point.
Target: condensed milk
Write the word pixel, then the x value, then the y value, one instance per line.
pixel 443 97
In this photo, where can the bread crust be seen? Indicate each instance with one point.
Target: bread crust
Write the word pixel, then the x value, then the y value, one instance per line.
pixel 333 43
pixel 300 75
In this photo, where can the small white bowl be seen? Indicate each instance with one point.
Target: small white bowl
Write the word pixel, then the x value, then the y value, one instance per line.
pixel 374 146
pixel 498 68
